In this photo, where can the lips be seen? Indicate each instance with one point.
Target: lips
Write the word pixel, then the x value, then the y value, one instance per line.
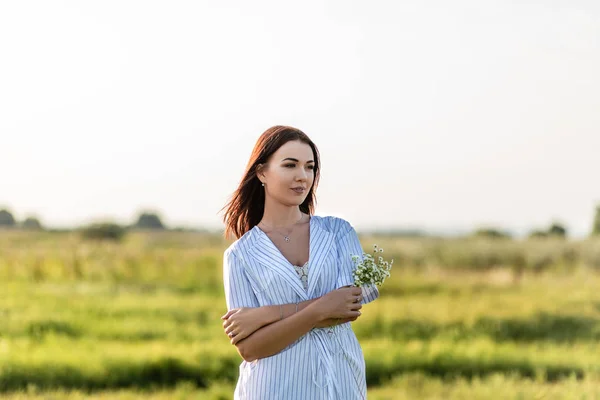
pixel 298 190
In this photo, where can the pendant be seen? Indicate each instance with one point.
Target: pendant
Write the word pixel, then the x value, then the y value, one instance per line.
pixel 287 238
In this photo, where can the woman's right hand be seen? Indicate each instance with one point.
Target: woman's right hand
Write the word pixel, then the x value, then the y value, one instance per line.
pixel 340 303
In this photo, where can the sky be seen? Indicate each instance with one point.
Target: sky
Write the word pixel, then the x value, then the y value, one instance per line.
pixel 434 115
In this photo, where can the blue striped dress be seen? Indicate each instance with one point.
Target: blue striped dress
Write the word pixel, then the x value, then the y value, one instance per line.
pixel 325 363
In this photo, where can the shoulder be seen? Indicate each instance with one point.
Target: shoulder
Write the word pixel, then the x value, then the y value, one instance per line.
pixel 238 248
pixel 336 225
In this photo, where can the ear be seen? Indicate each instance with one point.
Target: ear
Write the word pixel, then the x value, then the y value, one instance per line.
pixel 260 172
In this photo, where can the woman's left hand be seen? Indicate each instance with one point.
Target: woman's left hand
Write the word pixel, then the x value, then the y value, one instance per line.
pixel 240 323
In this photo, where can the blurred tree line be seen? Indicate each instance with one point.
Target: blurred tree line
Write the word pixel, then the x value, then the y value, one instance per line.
pixel 146 220
pixel 596 226
pixel 7 220
pixel 149 220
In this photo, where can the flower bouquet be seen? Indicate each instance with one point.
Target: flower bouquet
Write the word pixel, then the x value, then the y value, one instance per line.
pixel 368 271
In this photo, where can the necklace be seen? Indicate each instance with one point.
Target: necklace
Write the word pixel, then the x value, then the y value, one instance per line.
pixel 285 237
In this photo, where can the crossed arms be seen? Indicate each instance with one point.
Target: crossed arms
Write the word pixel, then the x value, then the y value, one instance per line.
pixel 260 332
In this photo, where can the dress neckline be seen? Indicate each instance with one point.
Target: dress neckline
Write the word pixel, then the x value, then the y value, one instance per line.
pixel 310 239
pixel 298 266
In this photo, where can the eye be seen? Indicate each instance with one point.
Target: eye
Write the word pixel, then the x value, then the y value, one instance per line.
pixel 289 165
pixel 311 167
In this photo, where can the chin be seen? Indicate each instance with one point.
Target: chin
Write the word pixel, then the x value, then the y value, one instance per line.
pixel 295 202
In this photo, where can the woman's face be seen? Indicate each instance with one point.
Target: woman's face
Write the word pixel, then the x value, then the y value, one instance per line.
pixel 289 174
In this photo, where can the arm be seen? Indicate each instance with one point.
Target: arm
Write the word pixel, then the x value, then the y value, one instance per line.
pixel 275 337
pixel 239 323
pixel 271 339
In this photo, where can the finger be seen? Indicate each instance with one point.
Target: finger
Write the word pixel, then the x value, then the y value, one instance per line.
pixel 239 336
pixel 227 316
pixel 229 329
pixel 356 291
pixel 227 323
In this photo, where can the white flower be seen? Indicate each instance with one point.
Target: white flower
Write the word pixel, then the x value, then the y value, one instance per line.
pixel 368 271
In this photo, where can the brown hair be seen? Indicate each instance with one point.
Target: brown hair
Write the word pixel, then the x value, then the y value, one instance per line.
pixel 247 204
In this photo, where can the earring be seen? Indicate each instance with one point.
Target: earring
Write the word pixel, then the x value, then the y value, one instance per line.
pixel 263 184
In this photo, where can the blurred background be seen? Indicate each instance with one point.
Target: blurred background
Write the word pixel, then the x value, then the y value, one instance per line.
pixel 461 137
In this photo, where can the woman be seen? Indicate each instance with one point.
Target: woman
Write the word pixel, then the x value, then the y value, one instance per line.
pixel 288 280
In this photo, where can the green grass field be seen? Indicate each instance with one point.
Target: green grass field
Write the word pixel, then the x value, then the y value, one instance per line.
pixel 141 319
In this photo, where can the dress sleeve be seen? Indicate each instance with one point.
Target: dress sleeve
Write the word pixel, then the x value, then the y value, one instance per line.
pixel 238 291
pixel 349 245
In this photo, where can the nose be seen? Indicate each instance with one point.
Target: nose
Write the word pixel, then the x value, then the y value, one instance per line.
pixel 302 175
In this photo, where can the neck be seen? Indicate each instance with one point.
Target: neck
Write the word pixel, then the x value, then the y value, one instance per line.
pixel 278 215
